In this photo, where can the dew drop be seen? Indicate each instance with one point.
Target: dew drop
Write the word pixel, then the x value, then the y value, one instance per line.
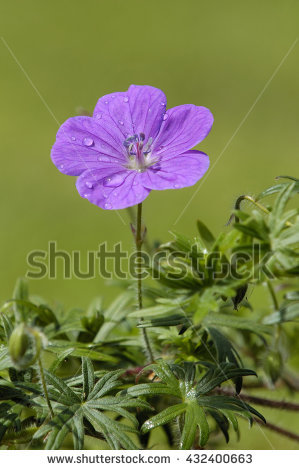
pixel 162 103
pixel 114 180
pixel 99 115
pixel 89 185
pixel 88 142
pixel 73 138
pixel 126 99
pixel 105 195
pixel 165 117
pixel 107 205
pixel 121 123
pixel 85 195
pixel 106 102
pixel 176 185
pixel 61 167
pixel 113 96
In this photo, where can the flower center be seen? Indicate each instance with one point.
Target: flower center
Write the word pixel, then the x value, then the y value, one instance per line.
pixel 138 153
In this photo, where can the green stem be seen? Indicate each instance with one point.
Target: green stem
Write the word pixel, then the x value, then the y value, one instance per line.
pixel 139 242
pixel 44 385
pixel 273 296
pixel 278 328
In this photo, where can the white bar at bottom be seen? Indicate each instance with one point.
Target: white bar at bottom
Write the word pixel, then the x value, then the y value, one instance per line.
pixel 160 459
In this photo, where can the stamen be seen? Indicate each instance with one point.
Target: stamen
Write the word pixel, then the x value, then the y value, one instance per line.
pixel 138 152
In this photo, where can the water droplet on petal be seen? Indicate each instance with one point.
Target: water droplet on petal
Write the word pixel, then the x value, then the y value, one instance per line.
pixel 106 102
pixel 121 123
pixel 107 205
pixel 61 167
pixel 114 180
pixel 176 185
pixel 126 99
pixel 99 116
pixel 165 117
pixel 73 138
pixel 88 142
pixel 162 103
pixel 89 185
pixel 113 96
pixel 85 195
pixel 105 195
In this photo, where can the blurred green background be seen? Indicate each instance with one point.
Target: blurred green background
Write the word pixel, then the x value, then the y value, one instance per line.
pixel 62 54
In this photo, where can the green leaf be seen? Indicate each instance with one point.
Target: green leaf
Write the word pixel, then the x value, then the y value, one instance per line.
pixel 170 320
pixel 65 391
pixel 107 383
pixel 151 389
pixel 88 376
pixel 7 325
pixel 61 425
pixel 227 403
pixel 216 375
pixel 114 315
pixel 60 358
pixel 20 293
pixel 195 417
pixel 93 351
pixel 205 234
pixel 168 414
pixel 153 312
pixel 287 313
pixel 234 321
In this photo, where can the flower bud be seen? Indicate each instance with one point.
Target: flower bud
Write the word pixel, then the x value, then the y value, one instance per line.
pixel 24 346
pixel 273 365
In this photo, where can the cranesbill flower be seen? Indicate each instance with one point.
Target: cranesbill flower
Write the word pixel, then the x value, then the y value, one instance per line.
pixel 132 145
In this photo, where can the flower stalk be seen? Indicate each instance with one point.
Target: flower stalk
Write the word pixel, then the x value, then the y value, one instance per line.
pixel 139 241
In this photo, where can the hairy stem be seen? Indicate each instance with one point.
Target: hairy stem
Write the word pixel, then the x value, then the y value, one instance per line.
pixel 139 241
pixel 44 385
pixel 278 429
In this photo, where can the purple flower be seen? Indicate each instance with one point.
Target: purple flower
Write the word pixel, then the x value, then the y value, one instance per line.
pixel 132 145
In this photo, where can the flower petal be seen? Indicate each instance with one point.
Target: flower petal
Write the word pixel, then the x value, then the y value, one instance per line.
pixel 140 109
pixel 183 127
pixel 112 189
pixel 84 143
pixel 176 172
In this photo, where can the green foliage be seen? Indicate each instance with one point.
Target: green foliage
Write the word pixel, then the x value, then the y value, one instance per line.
pixel 195 403
pixel 84 374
